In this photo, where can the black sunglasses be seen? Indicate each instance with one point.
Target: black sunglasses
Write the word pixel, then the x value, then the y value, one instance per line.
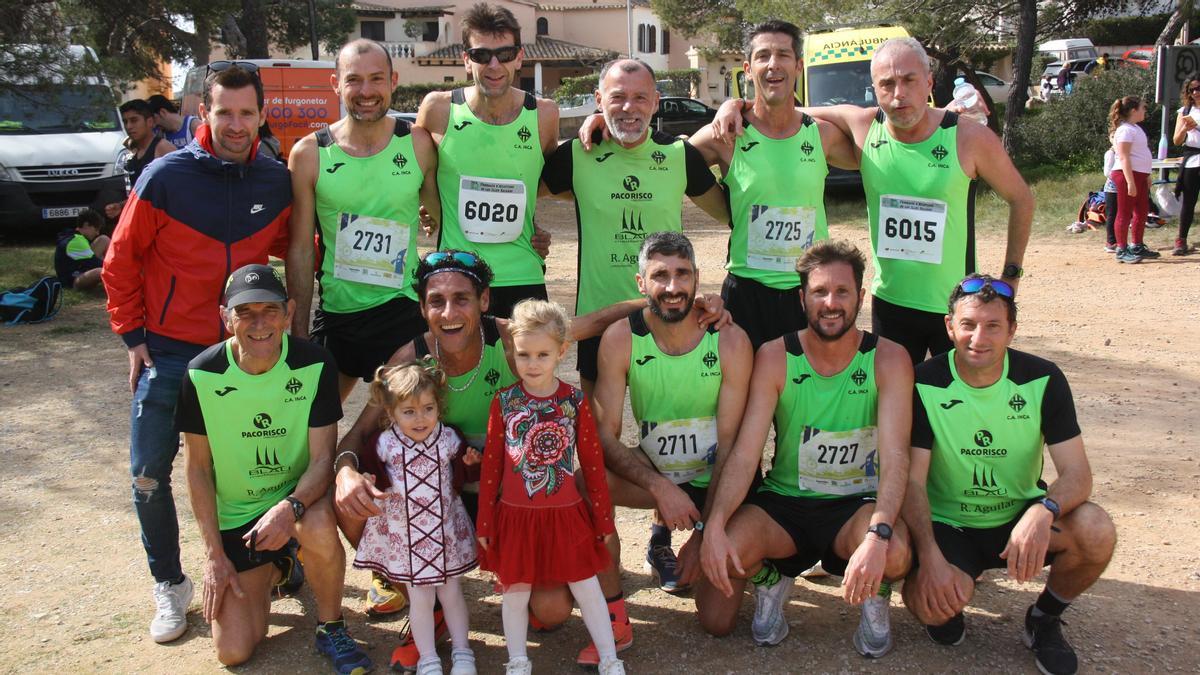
pixel 1193 90
pixel 218 66
pixel 483 55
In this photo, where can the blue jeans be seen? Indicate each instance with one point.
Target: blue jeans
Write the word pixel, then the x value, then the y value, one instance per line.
pixel 153 444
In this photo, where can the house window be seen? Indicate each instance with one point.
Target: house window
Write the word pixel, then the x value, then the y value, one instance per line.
pixel 430 34
pixel 543 26
pixel 666 41
pixel 372 30
pixel 652 42
pixel 641 42
pixel 448 78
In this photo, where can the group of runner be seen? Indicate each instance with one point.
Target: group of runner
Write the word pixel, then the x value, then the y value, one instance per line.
pixel 880 472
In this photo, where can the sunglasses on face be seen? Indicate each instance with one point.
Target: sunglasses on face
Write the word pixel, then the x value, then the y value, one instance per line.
pixel 1193 90
pixel 218 66
pixel 438 257
pixel 483 55
pixel 971 286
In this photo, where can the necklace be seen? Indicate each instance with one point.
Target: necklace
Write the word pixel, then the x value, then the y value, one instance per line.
pixel 437 352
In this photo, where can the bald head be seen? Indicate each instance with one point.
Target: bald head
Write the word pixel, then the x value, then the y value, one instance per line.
pixel 360 47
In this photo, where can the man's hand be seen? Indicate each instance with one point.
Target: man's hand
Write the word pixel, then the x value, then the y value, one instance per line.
pixel 274 529
pixel 1026 550
pixel 139 357
pixel 355 493
pixel 113 210
pixel 712 311
pixel 865 571
pixel 590 125
pixel 716 553
pixel 540 241
pixel 675 507
pixel 428 224
pixel 219 574
pixel 689 559
pixel 944 590
pixel 727 125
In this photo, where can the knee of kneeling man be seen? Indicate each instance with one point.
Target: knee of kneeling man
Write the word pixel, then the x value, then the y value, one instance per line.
pixel 1095 531
pixel 717 627
pixel 235 652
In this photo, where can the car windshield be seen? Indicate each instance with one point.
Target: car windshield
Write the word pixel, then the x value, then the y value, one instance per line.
pixel 57 109
pixel 838 83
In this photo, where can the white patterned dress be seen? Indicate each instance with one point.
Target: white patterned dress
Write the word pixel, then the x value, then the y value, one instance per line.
pixel 424 536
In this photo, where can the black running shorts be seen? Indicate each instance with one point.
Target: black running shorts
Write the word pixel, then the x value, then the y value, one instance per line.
pixel 362 341
pixel 913 329
pixel 813 525
pixel 974 550
pixel 765 313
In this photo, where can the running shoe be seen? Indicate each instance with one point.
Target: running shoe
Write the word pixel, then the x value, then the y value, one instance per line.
pixel 1111 248
pixel 1043 634
pixel 334 641
pixel 951 633
pixel 769 626
pixel 518 666
pixel 430 665
pixel 622 635
pixel 383 597
pixel 292 577
pixel 462 662
pixel 1182 248
pixel 873 638
pixel 406 656
pixel 1126 255
pixel 170 616
pixel 1145 251
pixel 814 572
pixel 662 563
pixel 612 667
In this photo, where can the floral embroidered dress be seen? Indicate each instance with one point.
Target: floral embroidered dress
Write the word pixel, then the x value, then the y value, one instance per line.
pixel 541 530
pixel 424 535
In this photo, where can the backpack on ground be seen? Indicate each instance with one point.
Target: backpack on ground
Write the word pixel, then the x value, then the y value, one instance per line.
pixel 1091 213
pixel 39 302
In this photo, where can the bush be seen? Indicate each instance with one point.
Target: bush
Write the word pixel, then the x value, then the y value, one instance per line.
pixel 1072 131
pixel 670 83
pixel 408 97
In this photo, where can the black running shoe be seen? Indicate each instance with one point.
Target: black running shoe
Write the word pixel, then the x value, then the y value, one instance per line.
pixel 292 571
pixel 1144 251
pixel 951 633
pixel 1053 653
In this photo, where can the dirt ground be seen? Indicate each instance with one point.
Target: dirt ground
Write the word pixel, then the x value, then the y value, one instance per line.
pixel 75 592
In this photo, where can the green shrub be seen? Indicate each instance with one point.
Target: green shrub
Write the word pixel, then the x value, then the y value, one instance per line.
pixel 408 97
pixel 670 83
pixel 1072 131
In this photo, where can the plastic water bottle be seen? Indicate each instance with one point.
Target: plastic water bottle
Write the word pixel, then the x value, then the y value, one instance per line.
pixel 966 96
pixel 1162 146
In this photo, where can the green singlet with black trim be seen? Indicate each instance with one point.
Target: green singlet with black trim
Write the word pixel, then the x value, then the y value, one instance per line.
pixel 825 439
pixel 921 212
pixel 777 201
pixel 488 178
pixel 367 222
pixel 674 400
pixel 468 410
pixel 257 425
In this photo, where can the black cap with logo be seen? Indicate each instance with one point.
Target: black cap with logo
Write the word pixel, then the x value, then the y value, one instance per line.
pixel 254 283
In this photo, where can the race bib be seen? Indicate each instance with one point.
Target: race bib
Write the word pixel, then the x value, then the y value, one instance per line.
pixel 838 462
pixel 681 450
pixel 371 250
pixel 911 228
pixel 778 236
pixel 491 210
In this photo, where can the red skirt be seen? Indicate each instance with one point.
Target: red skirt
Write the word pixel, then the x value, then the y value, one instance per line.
pixel 543 545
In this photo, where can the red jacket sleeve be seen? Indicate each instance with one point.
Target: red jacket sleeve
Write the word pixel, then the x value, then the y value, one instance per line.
pixel 279 246
pixel 591 458
pixel 491 472
pixel 122 271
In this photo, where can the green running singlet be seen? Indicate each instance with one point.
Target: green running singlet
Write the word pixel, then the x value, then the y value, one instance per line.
pixel 921 210
pixel 367 216
pixel 488 178
pixel 777 201
pixel 987 442
pixel 825 441
pixel 677 423
pixel 257 425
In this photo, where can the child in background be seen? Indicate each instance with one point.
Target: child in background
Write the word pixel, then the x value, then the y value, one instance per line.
pixel 80 252
pixel 424 538
pixel 534 527
pixel 1131 175
pixel 1110 202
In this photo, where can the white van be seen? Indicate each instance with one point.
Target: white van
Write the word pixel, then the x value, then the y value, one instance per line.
pixel 60 149
pixel 1069 49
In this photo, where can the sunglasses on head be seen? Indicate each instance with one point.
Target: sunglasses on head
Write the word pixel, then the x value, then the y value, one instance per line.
pixel 218 66
pixel 975 285
pixel 483 55
pixel 439 257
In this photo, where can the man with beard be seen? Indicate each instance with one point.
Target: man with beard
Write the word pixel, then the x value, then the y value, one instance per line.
pixel 920 169
pixel 842 404
pixel 492 139
pixel 626 188
pixel 687 387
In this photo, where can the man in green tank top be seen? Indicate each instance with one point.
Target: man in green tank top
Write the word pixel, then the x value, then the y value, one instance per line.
pixel 775 175
pixel 841 402
pixel 626 187
pixel 358 184
pixel 492 139
pixel 981 416
pixel 687 385
pixel 919 168
pixel 259 415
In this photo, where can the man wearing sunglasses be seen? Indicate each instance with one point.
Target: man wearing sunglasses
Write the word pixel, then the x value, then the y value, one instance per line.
pixel 194 216
pixel 976 499
pixel 492 138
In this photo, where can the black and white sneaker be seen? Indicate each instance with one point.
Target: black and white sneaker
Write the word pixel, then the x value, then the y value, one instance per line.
pixel 951 633
pixel 1044 636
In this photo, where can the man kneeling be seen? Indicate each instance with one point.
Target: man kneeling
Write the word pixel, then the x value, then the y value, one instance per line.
pixel 259 414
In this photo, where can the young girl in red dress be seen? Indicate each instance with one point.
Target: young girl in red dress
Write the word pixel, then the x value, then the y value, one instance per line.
pixel 534 527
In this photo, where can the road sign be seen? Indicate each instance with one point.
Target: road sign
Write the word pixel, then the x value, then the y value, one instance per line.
pixel 1175 65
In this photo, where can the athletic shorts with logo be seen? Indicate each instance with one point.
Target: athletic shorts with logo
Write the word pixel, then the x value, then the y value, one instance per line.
pixel 362 341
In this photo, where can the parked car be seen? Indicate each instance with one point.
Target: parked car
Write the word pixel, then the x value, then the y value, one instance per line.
pixel 1142 57
pixel 997 88
pixel 681 115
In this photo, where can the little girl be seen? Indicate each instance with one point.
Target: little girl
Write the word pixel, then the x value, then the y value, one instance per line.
pixel 533 526
pixel 424 538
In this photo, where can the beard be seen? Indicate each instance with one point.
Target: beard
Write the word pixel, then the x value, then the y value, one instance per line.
pixel 848 321
pixel 670 315
pixel 379 113
pixel 624 136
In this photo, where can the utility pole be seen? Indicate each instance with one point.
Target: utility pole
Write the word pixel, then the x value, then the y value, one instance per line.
pixel 312 30
pixel 629 25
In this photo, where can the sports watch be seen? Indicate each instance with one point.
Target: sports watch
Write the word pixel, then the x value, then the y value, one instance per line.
pixel 881 530
pixel 297 507
pixel 1013 271
pixel 1051 506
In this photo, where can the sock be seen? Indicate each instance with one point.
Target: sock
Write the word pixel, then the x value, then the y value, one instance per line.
pixel 616 610
pixel 176 582
pixel 660 535
pixel 325 624
pixel 767 576
pixel 590 599
pixel 514 612
pixel 1049 603
pixel 885 589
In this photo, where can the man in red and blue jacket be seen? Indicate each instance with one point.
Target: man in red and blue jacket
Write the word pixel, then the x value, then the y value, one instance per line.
pixel 195 215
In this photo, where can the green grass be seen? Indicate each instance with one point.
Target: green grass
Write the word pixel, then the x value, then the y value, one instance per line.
pixel 23 264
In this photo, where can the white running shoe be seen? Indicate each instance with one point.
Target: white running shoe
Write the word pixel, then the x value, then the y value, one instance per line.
pixel 814 572
pixel 613 666
pixel 873 638
pixel 462 662
pixel 770 627
pixel 518 666
pixel 429 665
pixel 170 619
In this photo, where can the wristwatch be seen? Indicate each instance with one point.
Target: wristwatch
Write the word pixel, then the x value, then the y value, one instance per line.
pixel 698 526
pixel 1013 271
pixel 1051 506
pixel 881 530
pixel 297 507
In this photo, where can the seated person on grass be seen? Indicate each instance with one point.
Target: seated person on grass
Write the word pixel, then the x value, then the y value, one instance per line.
pixel 80 252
